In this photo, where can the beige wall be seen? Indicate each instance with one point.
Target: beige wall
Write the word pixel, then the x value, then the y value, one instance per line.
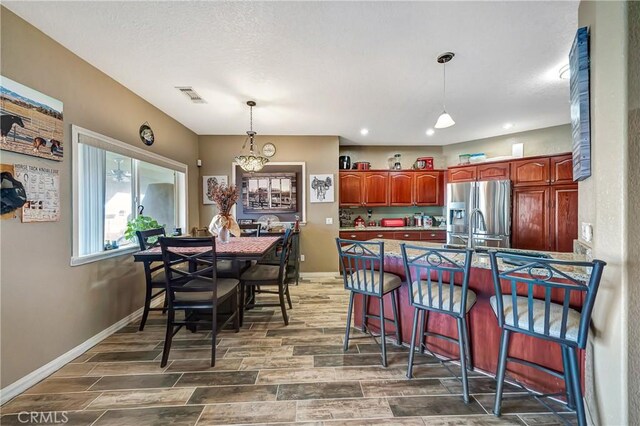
pixel 320 153
pixel 633 70
pixel 547 141
pixel 47 306
pixel 603 201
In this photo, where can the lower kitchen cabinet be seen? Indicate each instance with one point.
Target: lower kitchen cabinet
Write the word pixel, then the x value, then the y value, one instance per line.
pixel 434 236
pixel 354 235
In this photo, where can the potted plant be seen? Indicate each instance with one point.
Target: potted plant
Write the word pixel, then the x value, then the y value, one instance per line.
pixel 140 223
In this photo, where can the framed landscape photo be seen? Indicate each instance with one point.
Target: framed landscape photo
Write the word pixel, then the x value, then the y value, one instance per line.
pixel 322 189
pixel 580 106
pixel 31 121
pixel 208 182
pixel 269 193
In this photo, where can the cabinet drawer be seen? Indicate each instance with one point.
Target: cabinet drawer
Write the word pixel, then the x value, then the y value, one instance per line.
pixel 354 235
pixel 407 236
pixel 388 235
pixel 433 235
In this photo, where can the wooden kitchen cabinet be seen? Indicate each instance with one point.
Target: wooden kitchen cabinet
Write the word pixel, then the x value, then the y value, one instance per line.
pixel 562 169
pixel 530 221
pixel 401 188
pixel 462 174
pixel 376 189
pixel 407 235
pixel 433 236
pixel 428 189
pixel 354 235
pixel 387 235
pixel 531 172
pixel 351 188
pixel 493 171
pixel 564 217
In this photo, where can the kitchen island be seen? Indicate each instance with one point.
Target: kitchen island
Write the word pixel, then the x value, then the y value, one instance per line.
pixel 483 324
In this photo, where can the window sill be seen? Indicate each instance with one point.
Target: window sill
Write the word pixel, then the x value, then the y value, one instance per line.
pixel 90 258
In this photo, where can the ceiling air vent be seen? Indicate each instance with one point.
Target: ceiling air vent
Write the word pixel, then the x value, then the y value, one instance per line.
pixel 191 94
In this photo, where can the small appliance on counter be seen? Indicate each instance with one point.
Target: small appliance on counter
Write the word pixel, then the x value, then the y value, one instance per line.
pixel 395 222
pixel 344 162
pixel 362 165
pixel 370 221
pixel 424 163
pixel 359 222
pixel 397 162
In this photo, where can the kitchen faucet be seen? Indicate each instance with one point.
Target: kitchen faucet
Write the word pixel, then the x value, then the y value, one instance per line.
pixel 470 231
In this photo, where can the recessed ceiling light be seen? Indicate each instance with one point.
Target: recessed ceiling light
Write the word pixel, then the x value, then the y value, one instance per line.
pixel 507 126
pixel 364 132
pixel 430 132
pixel 564 72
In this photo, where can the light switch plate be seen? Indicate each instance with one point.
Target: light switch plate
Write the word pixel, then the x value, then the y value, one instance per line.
pixel 328 221
pixel 302 258
pixel 587 232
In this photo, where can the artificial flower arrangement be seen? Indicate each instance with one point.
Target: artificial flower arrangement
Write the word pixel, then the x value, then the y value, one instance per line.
pixel 223 224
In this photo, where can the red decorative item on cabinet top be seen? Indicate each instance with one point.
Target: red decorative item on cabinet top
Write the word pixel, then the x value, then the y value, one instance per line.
pixel 425 163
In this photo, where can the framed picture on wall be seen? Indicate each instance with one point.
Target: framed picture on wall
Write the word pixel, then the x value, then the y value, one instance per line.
pixel 208 182
pixel 322 188
pixel 580 107
pixel 269 193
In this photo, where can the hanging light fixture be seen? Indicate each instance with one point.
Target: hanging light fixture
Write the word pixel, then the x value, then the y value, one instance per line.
pixel 253 161
pixel 445 119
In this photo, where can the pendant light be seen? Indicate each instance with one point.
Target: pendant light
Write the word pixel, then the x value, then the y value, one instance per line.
pixel 445 119
pixel 253 161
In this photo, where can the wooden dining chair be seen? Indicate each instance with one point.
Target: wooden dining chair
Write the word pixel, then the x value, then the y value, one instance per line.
pixel 153 273
pixel 537 297
pixel 362 264
pixel 197 291
pixel 438 281
pixel 260 277
pixel 251 229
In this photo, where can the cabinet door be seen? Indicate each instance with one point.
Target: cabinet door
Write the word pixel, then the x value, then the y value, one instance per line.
pixel 376 188
pixel 530 172
pixel 530 222
pixel 429 189
pixel 564 217
pixel 387 235
pixel 562 169
pixel 498 171
pixel 401 188
pixel 350 188
pixel 462 174
pixel 354 235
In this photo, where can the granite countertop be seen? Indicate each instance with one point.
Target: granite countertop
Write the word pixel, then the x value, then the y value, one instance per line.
pixel 393 228
pixel 481 260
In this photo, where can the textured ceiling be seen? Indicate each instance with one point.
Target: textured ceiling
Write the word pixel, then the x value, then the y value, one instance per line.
pixel 330 68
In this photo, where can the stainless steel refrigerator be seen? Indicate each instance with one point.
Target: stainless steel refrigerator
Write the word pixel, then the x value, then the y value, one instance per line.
pixel 491 225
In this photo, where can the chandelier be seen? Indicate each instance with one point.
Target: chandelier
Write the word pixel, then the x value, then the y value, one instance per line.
pixel 253 161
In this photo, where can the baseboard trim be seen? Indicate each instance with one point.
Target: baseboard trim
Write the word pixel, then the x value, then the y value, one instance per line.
pixel 21 385
pixel 309 275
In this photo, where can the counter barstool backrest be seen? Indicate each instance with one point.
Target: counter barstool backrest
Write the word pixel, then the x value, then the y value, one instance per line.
pixel 362 263
pixel 551 295
pixel 438 278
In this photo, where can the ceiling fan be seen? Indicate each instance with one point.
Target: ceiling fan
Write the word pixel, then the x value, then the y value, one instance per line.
pixel 119 175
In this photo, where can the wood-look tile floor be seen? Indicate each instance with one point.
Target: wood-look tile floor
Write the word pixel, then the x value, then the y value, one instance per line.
pixel 267 373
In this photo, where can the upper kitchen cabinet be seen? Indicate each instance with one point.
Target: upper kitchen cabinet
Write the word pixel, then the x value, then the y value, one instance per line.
pixel 462 174
pixel 531 172
pixel 493 171
pixel 376 189
pixel 351 188
pixel 401 188
pixel 562 169
pixel 429 188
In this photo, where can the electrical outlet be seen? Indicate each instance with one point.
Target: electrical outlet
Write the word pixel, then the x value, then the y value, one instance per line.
pixel 302 258
pixel 587 232
pixel 328 221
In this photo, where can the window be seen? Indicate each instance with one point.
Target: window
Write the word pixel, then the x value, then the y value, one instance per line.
pixel 113 183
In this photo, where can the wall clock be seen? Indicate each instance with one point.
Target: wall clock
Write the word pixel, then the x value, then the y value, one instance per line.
pixel 146 134
pixel 269 150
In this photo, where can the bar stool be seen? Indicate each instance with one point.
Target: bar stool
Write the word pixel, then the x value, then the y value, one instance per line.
pixel 519 312
pixel 358 260
pixel 438 281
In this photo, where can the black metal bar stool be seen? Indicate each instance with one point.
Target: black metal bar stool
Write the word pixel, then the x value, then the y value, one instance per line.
pixel 438 281
pixel 524 287
pixel 359 260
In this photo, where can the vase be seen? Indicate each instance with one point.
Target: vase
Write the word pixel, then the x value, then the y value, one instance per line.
pixel 224 236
